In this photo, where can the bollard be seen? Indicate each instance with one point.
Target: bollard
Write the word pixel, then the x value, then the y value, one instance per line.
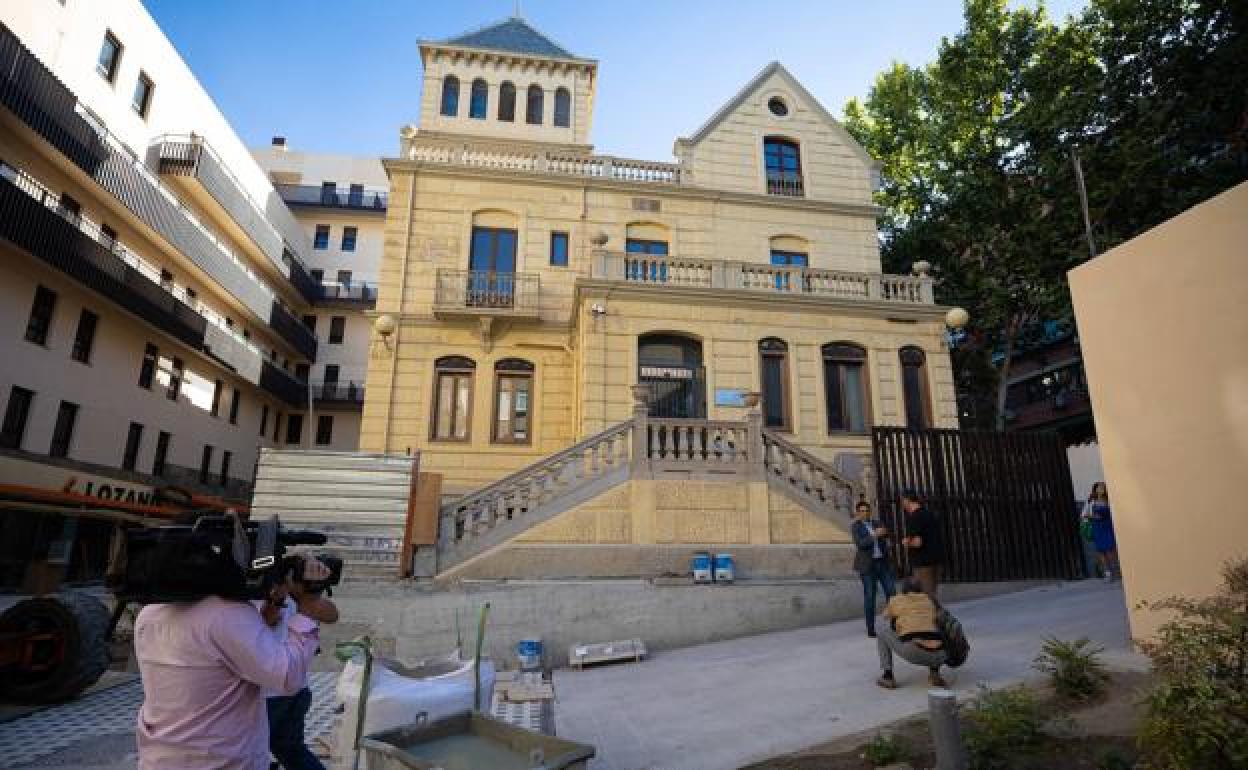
pixel 942 715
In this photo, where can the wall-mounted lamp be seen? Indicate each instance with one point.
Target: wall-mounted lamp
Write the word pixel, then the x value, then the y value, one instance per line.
pixel 597 310
pixel 384 326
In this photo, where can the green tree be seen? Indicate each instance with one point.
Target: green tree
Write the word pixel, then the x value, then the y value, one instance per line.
pixel 977 149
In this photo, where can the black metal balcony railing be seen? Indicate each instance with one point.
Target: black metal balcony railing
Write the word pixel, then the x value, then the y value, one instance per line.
pixel 195 158
pixel 311 195
pixel 284 385
pixel 482 291
pixel 781 183
pixel 303 282
pixel 293 330
pixel 34 95
pixel 353 292
pixel 31 221
pixel 346 393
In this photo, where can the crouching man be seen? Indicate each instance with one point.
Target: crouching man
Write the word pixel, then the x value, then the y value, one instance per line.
pixel 205 666
pixel 911 633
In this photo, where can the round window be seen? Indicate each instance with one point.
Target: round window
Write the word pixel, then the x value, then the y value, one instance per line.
pixel 777 106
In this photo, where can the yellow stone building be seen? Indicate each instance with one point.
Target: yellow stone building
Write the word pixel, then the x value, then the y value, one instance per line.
pixel 528 285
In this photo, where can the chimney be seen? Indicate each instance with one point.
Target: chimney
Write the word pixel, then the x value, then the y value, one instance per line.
pixel 279 143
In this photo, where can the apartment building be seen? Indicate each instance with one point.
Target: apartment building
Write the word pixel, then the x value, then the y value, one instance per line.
pixel 153 283
pixel 605 351
pixel 340 203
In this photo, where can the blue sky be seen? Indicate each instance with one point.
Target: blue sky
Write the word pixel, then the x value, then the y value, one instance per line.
pixel 344 75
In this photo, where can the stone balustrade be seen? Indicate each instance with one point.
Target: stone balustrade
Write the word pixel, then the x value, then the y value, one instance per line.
pixel 495 155
pixel 641 448
pixel 671 270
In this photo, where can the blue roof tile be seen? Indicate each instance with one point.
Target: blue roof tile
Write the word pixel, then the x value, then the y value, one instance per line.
pixel 513 35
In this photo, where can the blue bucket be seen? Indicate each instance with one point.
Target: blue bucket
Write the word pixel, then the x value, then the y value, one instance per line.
pixel 529 654
pixel 701 566
pixel 725 568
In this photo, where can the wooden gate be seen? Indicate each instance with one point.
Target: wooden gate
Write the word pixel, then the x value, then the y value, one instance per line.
pixel 1003 499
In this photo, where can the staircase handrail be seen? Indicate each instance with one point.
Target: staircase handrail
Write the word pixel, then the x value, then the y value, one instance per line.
pixel 547 461
pixel 771 438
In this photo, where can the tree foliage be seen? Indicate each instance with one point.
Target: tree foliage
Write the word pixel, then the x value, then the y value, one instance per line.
pixel 977 150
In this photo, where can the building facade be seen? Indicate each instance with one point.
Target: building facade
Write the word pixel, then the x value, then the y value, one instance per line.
pixel 153 283
pixel 340 203
pixel 528 284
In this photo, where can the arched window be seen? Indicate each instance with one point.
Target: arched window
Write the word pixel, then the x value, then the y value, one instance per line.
pixel 783 162
pixel 507 102
pixel 452 398
pixel 914 387
pixel 450 96
pixel 563 107
pixel 535 105
pixel 478 103
pixel 845 387
pixel 774 376
pixel 513 401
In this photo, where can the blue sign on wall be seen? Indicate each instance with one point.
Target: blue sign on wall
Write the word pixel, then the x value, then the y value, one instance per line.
pixel 730 397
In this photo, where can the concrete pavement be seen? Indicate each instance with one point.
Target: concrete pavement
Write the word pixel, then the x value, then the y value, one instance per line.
pixel 725 704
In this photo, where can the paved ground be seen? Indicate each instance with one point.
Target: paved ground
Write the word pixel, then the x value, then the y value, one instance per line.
pixel 722 705
pixel 714 706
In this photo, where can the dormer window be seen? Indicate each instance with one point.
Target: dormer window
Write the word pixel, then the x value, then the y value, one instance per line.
pixel 450 96
pixel 477 105
pixel 784 167
pixel 563 108
pixel 507 102
pixel 535 105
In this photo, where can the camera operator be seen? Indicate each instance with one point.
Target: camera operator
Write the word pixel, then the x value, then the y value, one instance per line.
pixel 205 666
pixel 287 713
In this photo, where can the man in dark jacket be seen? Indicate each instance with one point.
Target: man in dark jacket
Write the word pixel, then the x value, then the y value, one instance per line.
pixel 871 560
pixel 924 544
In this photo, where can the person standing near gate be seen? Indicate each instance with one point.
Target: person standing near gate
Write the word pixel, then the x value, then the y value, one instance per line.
pixel 871 560
pixel 923 542
pixel 1098 514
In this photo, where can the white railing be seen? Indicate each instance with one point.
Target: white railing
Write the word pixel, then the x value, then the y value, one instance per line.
pixel 494 155
pixel 795 469
pixel 755 276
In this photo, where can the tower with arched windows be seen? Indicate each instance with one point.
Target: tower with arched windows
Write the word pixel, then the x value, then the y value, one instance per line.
pixel 507 81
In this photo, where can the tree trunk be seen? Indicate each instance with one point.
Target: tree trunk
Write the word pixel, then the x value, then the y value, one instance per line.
pixel 1004 374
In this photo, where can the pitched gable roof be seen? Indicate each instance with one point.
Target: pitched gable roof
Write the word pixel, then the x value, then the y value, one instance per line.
pixel 513 35
pixel 776 68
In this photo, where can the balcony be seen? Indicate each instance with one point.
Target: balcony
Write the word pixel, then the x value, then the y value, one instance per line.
pixel 192 157
pixel 293 330
pixel 355 294
pixel 34 222
pixel 485 294
pixel 283 385
pixel 505 157
pixel 33 95
pixel 338 395
pixel 786 184
pixel 311 195
pixel 694 272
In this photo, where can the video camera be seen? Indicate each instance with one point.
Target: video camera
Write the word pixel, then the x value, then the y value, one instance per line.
pixel 216 555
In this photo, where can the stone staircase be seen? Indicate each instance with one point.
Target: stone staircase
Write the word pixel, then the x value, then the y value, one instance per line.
pixel 640 448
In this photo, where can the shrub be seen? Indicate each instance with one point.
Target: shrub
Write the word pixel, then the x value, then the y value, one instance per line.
pixel 1002 724
pixel 1114 759
pixel 1074 668
pixel 887 749
pixel 1196 716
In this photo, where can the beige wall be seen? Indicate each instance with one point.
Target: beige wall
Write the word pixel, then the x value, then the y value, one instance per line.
pixel 578 76
pixel 1164 327
pixel 730 156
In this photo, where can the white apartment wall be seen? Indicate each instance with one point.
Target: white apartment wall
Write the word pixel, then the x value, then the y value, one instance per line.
pixel 296 167
pixel 67 39
pixel 106 389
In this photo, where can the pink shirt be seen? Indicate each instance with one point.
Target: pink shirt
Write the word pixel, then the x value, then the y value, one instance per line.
pixel 204 666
